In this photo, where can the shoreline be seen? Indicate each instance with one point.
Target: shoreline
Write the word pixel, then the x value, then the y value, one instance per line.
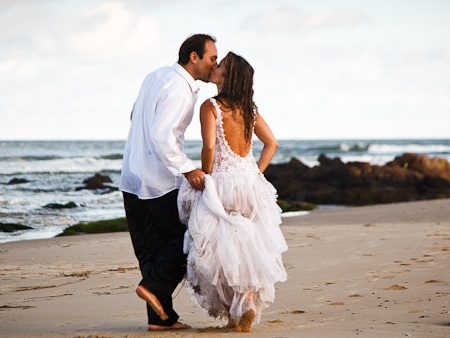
pixel 372 271
pixel 109 225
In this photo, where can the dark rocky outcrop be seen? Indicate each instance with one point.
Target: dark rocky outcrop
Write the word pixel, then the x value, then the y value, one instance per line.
pixel 12 227
pixel 68 205
pixel 408 177
pixel 16 180
pixel 97 227
pixel 97 182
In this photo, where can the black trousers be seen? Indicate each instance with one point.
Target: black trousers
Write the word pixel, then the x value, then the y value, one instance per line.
pixel 157 237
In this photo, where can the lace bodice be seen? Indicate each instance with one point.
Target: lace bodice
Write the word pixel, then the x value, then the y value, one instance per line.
pixel 225 159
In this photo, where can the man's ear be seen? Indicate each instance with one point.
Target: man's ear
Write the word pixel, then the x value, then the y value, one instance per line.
pixel 193 57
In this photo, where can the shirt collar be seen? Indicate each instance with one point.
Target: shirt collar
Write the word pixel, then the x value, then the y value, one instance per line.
pixel 188 77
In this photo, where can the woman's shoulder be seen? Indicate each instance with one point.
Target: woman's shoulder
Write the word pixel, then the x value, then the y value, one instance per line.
pixel 209 106
pixel 208 102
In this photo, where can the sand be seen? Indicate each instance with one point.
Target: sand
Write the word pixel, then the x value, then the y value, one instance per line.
pixel 377 271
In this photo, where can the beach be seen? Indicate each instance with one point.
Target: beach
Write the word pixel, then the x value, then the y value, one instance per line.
pixel 372 271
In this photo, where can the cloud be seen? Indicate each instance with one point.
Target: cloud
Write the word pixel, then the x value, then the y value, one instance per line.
pixel 39 44
pixel 92 32
pixel 60 66
pixel 113 27
pixel 332 17
pixel 291 19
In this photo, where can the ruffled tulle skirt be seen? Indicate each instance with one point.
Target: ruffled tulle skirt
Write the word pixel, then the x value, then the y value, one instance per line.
pixel 234 243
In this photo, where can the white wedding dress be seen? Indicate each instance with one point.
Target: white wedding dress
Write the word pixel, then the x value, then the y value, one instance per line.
pixel 234 242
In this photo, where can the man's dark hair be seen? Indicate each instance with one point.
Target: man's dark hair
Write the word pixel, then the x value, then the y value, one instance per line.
pixel 194 43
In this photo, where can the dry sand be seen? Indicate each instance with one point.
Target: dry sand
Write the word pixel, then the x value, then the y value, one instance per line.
pixel 378 271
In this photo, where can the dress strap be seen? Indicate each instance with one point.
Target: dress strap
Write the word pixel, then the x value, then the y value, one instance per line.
pixel 216 105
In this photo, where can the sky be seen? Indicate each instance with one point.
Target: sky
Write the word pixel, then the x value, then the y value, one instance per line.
pixel 348 69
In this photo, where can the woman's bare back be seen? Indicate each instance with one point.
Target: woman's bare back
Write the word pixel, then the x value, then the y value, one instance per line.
pixel 233 126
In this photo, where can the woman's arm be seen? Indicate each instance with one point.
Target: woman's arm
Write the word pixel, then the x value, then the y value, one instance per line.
pixel 208 125
pixel 263 132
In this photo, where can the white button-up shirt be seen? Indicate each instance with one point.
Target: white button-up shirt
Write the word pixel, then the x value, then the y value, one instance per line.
pixel 154 161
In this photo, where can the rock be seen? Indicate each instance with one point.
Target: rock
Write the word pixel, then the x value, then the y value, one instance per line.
pixel 17 181
pixel 97 182
pixel 97 227
pixel 433 167
pixel 12 227
pixel 295 205
pixel 68 205
pixel 406 178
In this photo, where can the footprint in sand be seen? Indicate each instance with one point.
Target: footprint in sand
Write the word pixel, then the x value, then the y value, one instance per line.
pixel 30 288
pixel 77 274
pixel 23 307
pixel 293 312
pixel 396 287
pixel 433 281
pixel 297 312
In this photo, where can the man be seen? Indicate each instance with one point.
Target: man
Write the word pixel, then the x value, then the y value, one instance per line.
pixel 153 167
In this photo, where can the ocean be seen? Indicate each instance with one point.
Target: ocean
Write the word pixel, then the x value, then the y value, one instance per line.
pixel 53 171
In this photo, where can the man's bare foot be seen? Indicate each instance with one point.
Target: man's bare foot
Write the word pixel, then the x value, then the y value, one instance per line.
pixel 152 300
pixel 246 321
pixel 176 326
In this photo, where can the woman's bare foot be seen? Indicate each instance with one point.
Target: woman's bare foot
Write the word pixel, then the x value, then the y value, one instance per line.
pixel 176 326
pixel 152 300
pixel 232 323
pixel 246 321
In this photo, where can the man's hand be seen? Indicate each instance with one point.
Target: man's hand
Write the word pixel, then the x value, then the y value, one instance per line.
pixel 196 179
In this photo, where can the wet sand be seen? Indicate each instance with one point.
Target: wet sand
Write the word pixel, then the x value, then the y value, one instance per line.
pixel 377 271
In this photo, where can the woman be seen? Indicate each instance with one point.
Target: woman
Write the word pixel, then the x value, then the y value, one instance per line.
pixel 233 241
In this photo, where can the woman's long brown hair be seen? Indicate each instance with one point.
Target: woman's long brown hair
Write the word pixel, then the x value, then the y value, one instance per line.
pixel 237 91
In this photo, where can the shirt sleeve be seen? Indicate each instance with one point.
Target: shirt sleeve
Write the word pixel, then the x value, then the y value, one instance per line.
pixel 173 115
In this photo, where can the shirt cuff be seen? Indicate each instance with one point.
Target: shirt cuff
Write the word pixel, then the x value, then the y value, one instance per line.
pixel 187 167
